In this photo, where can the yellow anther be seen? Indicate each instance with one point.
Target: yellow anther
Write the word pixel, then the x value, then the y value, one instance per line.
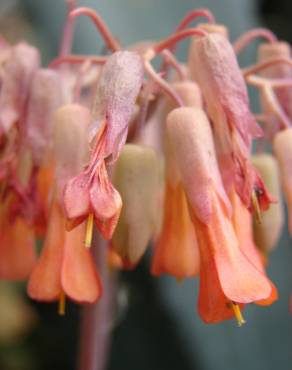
pixel 89 230
pixel 62 304
pixel 237 313
pixel 256 207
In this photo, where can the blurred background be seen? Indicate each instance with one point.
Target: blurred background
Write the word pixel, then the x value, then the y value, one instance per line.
pixel 157 327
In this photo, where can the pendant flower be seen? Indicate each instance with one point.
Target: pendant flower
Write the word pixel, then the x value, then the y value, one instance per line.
pixel 227 277
pixel 91 194
pixel 65 265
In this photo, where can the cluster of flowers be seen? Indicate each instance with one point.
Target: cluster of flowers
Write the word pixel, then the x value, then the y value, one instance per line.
pixel 107 142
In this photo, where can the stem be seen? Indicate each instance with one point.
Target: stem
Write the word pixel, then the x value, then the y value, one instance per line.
pixel 163 85
pixel 96 319
pixel 173 39
pixel 170 59
pixel 259 67
pixel 77 59
pixel 192 15
pixel 249 36
pixel 110 41
pixel 67 38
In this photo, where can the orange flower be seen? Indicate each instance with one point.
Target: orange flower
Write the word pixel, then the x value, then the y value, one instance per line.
pixel 17 244
pixel 65 265
pixel 176 250
pixel 227 277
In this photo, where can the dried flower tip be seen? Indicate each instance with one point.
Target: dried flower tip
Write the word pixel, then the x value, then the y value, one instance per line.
pixel 119 84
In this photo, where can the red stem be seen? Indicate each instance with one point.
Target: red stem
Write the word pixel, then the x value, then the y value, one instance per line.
pixel 110 41
pixel 192 15
pixel 67 38
pixel 96 321
pixel 170 59
pixel 249 36
pixel 173 39
pixel 259 67
pixel 77 59
pixel 163 85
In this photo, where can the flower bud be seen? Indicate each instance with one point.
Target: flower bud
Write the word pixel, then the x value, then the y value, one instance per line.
pixel 71 148
pixel 136 177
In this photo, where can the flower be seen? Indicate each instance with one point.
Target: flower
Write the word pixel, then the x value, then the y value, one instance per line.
pixel 91 192
pixel 227 277
pixel 65 265
pixel 214 67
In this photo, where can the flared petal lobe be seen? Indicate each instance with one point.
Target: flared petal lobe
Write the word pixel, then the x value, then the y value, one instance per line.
pixel 176 250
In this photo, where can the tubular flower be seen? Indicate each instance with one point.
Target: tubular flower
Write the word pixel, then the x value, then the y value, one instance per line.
pixel 65 265
pixel 213 65
pixel 176 249
pixel 136 177
pixel 227 277
pixel 91 192
pixel 268 232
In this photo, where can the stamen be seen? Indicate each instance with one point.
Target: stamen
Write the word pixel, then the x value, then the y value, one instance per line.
pixel 62 304
pixel 256 207
pixel 237 313
pixel 89 230
pixel 249 36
